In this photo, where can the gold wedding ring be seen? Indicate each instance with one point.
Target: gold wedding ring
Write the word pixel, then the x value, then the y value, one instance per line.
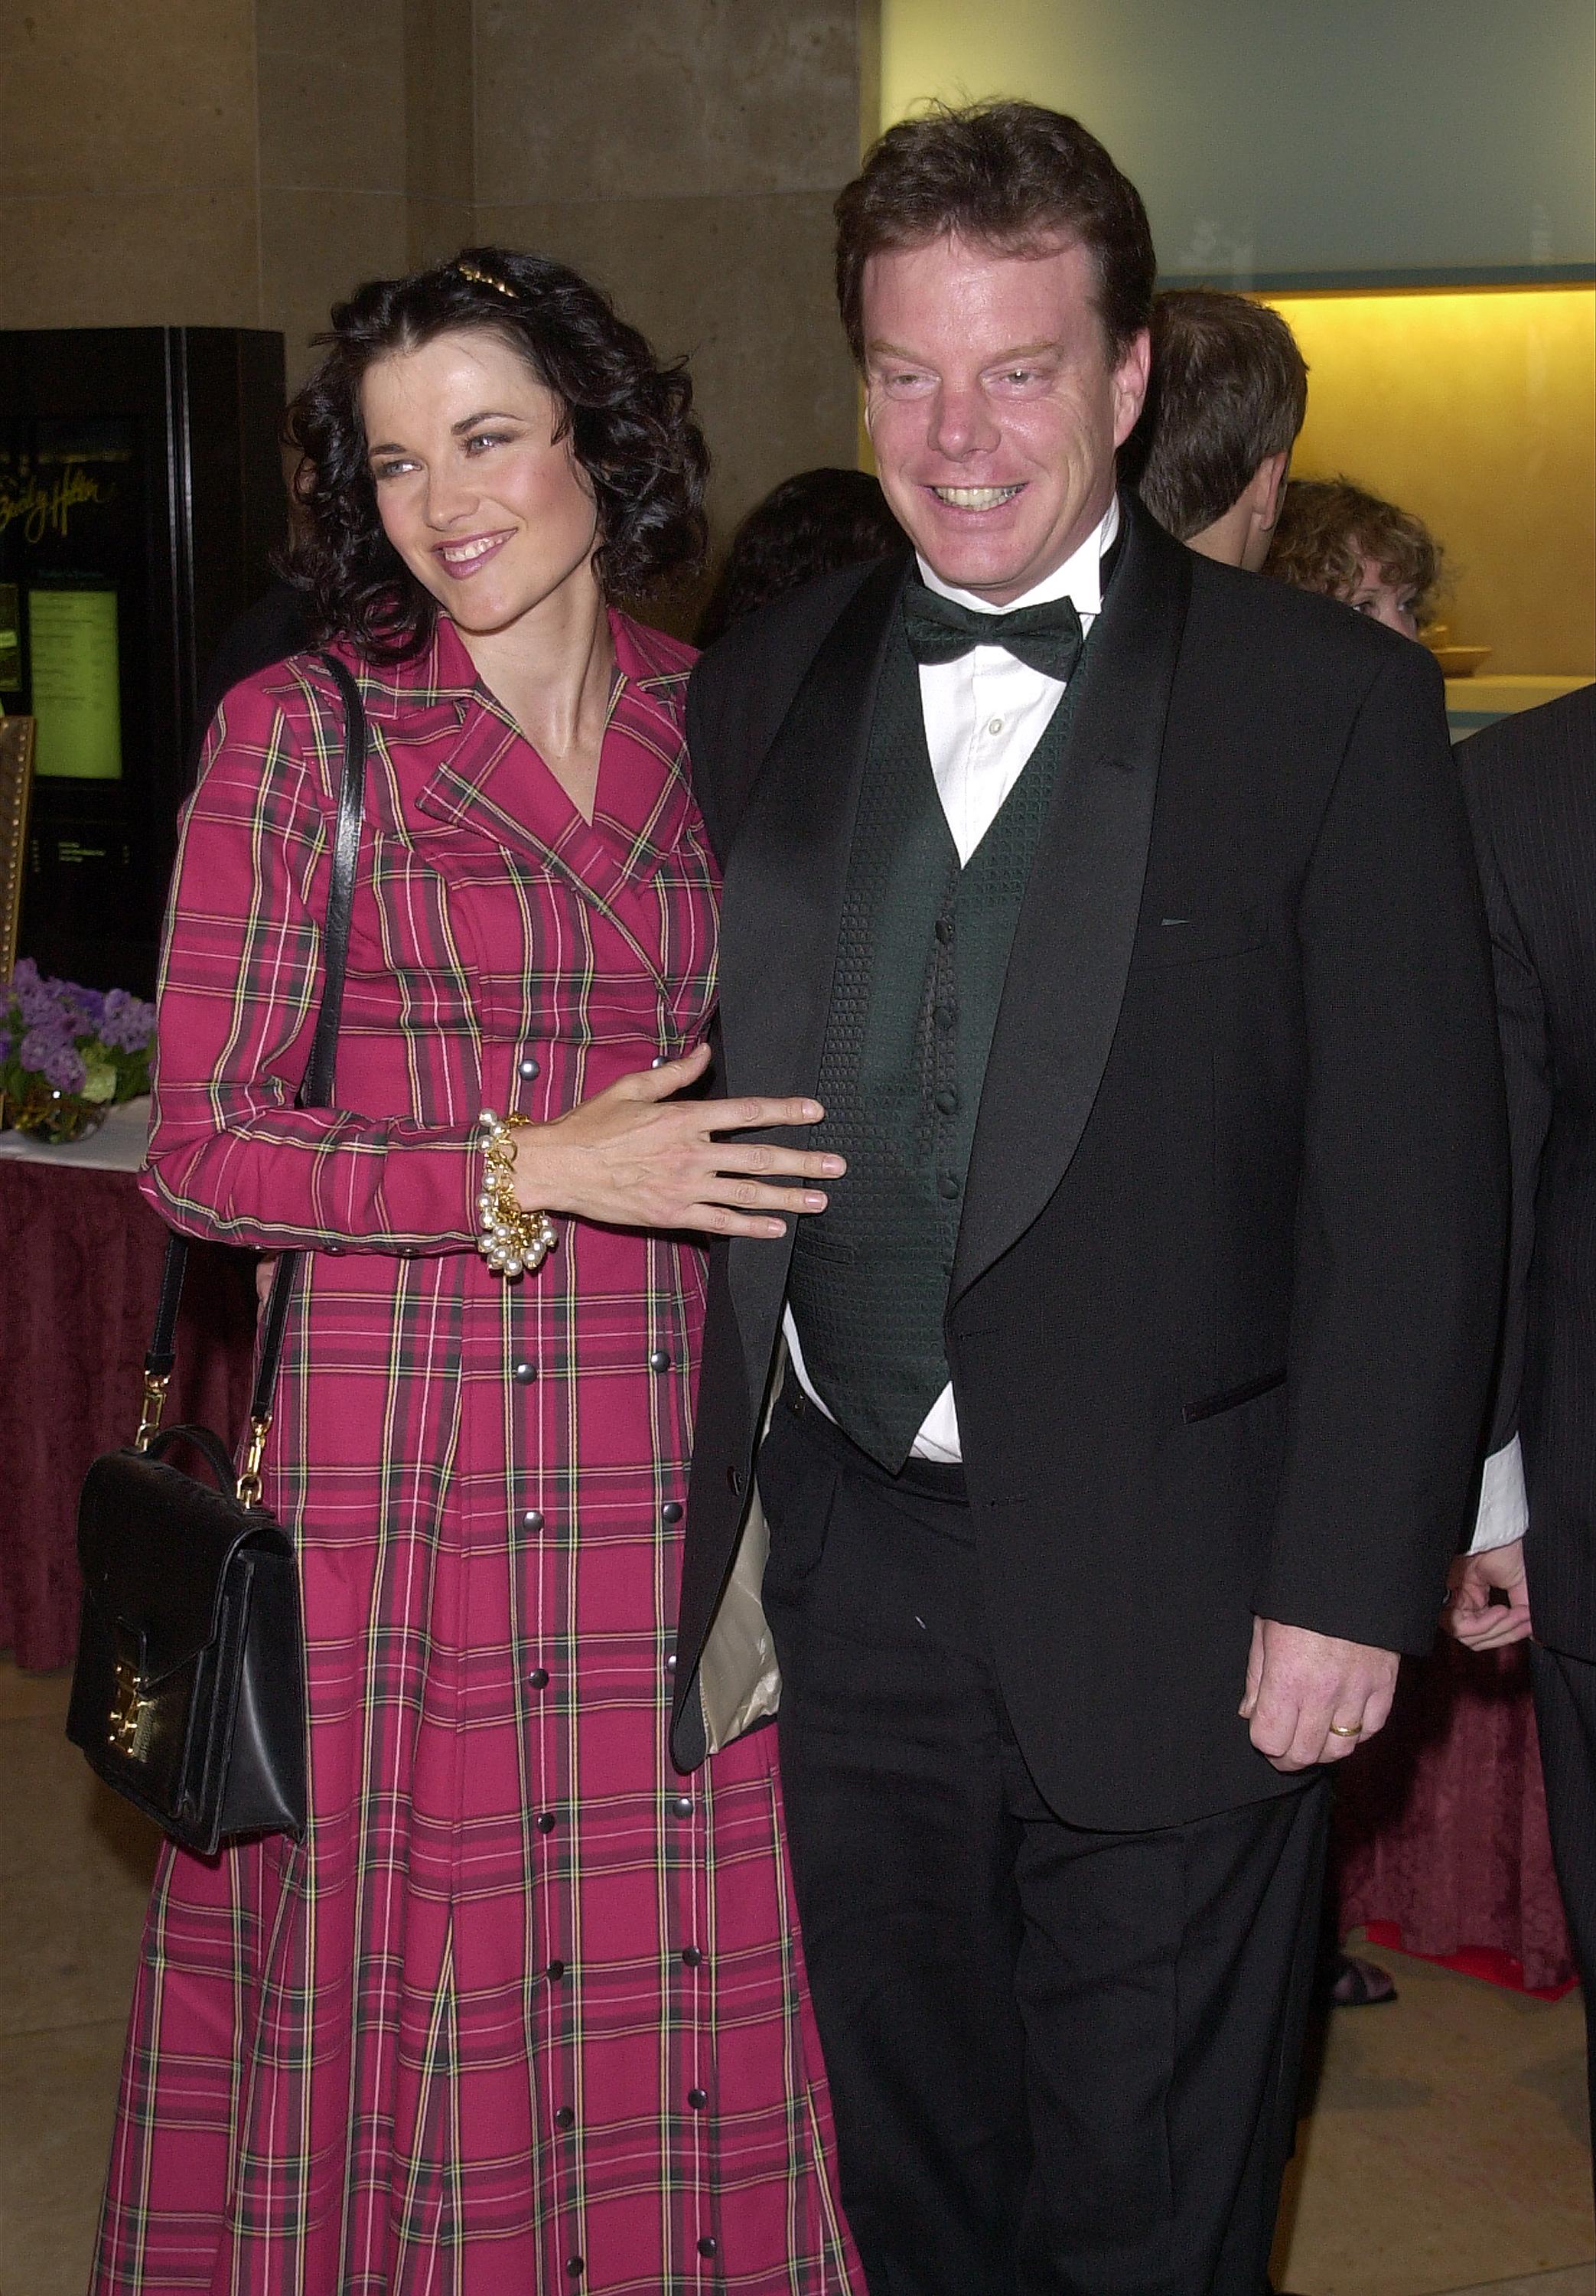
pixel 1347 1729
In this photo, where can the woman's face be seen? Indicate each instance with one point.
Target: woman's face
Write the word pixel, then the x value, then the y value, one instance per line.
pixel 1382 601
pixel 489 510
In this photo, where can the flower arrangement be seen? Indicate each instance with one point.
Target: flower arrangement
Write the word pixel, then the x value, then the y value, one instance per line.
pixel 68 1054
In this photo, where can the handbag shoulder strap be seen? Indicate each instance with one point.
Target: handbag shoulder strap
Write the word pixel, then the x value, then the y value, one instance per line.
pixel 316 1090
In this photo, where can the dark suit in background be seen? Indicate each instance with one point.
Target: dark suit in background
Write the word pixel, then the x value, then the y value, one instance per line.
pixel 1219 1324
pixel 1530 786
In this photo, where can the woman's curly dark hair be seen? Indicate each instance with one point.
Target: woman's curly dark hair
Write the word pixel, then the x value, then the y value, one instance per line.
pixel 628 418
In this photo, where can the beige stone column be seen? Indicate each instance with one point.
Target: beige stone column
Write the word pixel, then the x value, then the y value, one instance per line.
pixel 686 154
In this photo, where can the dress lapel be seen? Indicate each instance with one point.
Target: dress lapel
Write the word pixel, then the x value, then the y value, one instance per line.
pixel 489 779
pixel 1072 947
pixel 782 906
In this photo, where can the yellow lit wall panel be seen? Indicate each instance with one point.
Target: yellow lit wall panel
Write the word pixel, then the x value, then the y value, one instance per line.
pixel 1478 411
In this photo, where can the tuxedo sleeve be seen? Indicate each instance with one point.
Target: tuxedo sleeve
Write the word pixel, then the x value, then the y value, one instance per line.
pixel 1402 1217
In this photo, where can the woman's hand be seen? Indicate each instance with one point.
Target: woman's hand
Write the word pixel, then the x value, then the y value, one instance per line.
pixel 634 1156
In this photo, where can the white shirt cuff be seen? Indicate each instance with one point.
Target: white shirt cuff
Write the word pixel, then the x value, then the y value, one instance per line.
pixel 1504 1503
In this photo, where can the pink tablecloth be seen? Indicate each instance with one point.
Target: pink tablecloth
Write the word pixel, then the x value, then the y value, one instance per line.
pixel 80 1257
pixel 1441 1822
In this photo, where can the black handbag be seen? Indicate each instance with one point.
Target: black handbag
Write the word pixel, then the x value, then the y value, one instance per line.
pixel 188 1697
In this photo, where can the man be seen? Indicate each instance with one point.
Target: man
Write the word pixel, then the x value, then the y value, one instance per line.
pixel 1530 786
pixel 1137 1364
pixel 1226 398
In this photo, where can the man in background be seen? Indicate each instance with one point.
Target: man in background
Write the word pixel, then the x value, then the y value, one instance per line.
pixel 1530 783
pixel 1225 400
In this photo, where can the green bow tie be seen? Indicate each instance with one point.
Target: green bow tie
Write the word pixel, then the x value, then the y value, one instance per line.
pixel 1047 638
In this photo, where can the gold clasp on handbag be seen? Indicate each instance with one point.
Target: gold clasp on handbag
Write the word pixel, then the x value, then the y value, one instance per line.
pixel 132 1714
pixel 249 1480
pixel 154 1404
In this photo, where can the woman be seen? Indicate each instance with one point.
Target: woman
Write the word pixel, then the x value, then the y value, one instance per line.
pixel 1334 537
pixel 523 2012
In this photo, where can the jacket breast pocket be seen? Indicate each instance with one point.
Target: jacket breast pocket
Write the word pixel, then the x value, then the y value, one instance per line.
pixel 1198 935
pixel 1232 1399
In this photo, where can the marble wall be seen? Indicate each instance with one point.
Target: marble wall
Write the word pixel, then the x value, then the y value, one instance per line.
pixel 243 162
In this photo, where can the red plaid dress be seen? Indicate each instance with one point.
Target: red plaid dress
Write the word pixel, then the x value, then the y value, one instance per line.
pixel 525 2012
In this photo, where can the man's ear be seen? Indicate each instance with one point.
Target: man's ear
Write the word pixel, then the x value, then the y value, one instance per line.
pixel 1268 491
pixel 1130 385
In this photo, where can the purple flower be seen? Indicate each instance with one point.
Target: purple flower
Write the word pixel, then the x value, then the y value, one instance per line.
pixel 127 1023
pixel 37 1000
pixel 90 1002
pixel 65 1069
pixel 42 1043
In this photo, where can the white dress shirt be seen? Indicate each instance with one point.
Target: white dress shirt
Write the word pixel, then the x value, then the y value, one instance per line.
pixel 984 714
pixel 1504 1502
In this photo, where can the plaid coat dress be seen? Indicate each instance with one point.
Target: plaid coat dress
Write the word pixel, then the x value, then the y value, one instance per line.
pixel 525 2012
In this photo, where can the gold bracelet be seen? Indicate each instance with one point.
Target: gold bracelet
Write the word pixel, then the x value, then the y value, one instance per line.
pixel 513 1241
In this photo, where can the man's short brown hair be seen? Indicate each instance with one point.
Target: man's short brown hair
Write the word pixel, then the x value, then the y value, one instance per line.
pixel 1228 387
pixel 1012 175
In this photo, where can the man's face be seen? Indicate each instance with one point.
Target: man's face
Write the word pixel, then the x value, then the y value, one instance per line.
pixel 995 407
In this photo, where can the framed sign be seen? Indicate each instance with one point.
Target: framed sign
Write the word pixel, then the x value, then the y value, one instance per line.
pixel 16 792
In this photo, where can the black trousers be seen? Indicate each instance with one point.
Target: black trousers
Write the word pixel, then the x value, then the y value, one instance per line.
pixel 1063 2062
pixel 1564 1695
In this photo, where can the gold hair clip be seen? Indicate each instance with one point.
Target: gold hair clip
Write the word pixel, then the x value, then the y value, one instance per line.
pixel 486 279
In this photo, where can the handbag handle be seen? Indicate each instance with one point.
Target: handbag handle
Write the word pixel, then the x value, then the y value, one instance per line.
pixel 315 1091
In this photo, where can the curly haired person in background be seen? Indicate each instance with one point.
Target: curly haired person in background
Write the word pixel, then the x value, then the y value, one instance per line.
pixel 520 2013
pixel 1335 538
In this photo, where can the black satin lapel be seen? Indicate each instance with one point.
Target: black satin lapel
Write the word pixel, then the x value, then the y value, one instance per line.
pixel 1072 947
pixel 782 906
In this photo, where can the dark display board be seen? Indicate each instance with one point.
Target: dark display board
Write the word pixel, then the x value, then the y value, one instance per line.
pixel 141 496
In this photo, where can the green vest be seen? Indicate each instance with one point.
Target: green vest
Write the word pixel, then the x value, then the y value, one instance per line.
pixel 921 958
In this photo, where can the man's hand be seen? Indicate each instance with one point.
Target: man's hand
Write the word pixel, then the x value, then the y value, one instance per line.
pixel 1299 1684
pixel 1471 1615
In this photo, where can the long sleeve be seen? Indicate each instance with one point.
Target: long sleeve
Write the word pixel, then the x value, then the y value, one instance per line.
pixel 1402 1215
pixel 1526 1065
pixel 231 1157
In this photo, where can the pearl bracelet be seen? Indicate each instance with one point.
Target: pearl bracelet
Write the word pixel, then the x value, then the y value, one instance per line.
pixel 513 1241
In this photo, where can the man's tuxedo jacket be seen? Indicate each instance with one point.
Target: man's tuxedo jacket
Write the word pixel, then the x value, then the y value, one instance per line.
pixel 1530 786
pixel 1225 1299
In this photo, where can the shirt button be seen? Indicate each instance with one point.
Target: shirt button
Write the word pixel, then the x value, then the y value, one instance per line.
pixel 671 1511
pixel 994 725
pixel 546 1822
pixel 527 1068
pixel 532 1520
pixel 949 1186
pixel 555 1971
pixel 947 1013
pixel 524 1374
pixel 660 1359
pixel 539 1678
pixel 661 1060
pixel 944 930
pixel 670 1662
pixel 947 1100
pixel 697 2098
pixel 735 1480
pixel 564 2118
pixel 692 1958
pixel 708 2245
pixel 681 1804
pixel 575 2266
